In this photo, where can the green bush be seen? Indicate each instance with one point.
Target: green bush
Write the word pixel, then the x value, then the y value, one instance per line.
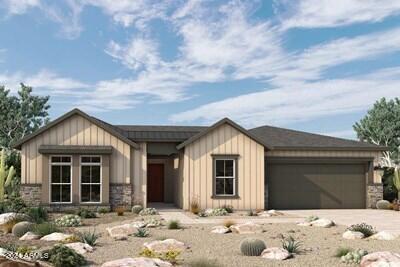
pixel 202 213
pixel 173 225
pixel 148 211
pixel 342 251
pixel 37 214
pixel 353 257
pixel 46 228
pixel 364 228
pixel 312 218
pixel 252 247
pixel 16 204
pixel 22 228
pixel 141 232
pixel 218 212
pixel 228 208
pixel 383 205
pixel 69 220
pixel 62 256
pixel 86 213
pixel 137 208
pixel 103 210
pixel 89 237
pixel 291 245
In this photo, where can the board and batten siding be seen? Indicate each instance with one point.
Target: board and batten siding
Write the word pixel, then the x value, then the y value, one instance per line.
pixel 75 130
pixel 197 170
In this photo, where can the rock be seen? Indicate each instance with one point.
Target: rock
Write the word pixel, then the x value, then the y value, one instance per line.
pixel 381 259
pixel 139 224
pixel 120 237
pixel 80 247
pixel 275 253
pixel 137 262
pixel 29 236
pixel 220 229
pixel 6 217
pixel 274 213
pixel 165 245
pixel 304 224
pixel 3 251
pixel 246 228
pixel 123 230
pixel 352 235
pixel 264 214
pixel 383 236
pixel 322 223
pixel 55 237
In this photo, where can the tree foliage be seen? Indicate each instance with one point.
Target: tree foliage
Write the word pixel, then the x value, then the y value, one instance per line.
pixel 381 126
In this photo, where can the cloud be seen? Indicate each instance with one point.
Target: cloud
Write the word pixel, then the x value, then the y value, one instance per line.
pixel 327 13
pixel 348 134
pixel 18 7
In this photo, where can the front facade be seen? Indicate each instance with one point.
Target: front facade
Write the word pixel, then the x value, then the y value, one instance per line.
pixel 78 160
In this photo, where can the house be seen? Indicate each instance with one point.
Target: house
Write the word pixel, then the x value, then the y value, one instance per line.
pixel 78 160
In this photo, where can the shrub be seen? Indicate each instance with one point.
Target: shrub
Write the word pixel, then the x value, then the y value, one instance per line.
pixel 312 218
pixel 69 220
pixel 218 212
pixel 202 213
pixel 383 205
pixel 364 228
pixel 15 204
pixel 10 246
pixel 120 211
pixel 153 222
pixel 173 224
pixel 228 208
pixel 103 210
pixel 72 239
pixel 251 213
pixel 37 214
pixel 46 228
pixel 24 250
pixel 148 211
pixel 229 223
pixel 342 251
pixel 137 208
pixel 252 247
pixel 62 256
pixel 141 232
pixel 170 255
pixel 291 245
pixel 353 257
pixel 21 228
pixel 86 213
pixel 203 263
pixel 194 205
pixel 89 237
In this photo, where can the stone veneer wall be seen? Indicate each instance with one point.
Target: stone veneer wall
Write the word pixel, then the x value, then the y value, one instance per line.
pixel 31 193
pixel 374 193
pixel 121 194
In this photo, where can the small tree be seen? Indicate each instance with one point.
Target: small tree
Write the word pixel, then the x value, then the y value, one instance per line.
pixel 396 180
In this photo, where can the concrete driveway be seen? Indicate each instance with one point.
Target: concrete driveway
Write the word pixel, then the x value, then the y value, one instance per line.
pixel 382 220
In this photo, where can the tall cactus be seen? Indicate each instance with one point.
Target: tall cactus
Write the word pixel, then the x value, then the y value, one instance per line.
pixel 6 175
pixel 396 180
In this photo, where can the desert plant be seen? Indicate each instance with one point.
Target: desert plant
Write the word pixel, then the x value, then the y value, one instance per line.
pixel 86 213
pixel 252 247
pixel 6 174
pixel 153 222
pixel 141 232
pixel 202 213
pixel 148 211
pixel 46 228
pixel 383 205
pixel 203 263
pixel 89 237
pixel 353 257
pixel 62 256
pixel 218 212
pixel 103 210
pixel 291 245
pixel 173 224
pixel 136 209
pixel 229 223
pixel 228 208
pixel 37 214
pixel 72 239
pixel 312 218
pixel 195 205
pixel 21 228
pixel 69 220
pixel 342 251
pixel 169 255
pixel 120 210
pixel 10 246
pixel 364 228
pixel 15 204
pixel 24 249
pixel 251 213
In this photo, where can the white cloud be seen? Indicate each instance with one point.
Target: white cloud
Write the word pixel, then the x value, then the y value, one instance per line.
pixel 18 7
pixel 348 134
pixel 328 13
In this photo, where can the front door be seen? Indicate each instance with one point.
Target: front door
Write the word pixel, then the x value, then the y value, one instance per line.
pixel 155 183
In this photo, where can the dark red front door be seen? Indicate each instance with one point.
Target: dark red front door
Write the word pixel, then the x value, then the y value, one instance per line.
pixel 155 182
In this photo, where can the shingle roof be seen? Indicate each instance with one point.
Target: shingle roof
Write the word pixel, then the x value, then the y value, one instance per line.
pixel 279 138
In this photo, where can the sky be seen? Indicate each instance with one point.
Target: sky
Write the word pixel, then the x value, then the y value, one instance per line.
pixel 311 65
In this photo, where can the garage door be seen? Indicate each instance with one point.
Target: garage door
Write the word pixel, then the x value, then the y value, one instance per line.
pixel 315 186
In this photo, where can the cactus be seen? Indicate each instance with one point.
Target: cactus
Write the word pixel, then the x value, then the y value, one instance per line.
pixel 252 247
pixel 21 228
pixel 396 180
pixel 353 257
pixel 137 208
pixel 383 205
pixel 6 175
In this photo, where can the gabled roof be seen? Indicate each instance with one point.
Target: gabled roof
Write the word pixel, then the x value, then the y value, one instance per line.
pixel 105 126
pixel 285 139
pixel 216 125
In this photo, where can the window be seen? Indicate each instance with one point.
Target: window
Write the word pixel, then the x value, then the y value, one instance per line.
pixel 60 176
pixel 225 177
pixel 91 179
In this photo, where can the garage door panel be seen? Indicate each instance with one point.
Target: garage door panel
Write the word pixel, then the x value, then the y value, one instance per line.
pixel 314 186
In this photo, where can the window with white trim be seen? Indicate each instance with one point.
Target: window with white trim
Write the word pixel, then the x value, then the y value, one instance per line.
pixel 60 179
pixel 91 179
pixel 225 177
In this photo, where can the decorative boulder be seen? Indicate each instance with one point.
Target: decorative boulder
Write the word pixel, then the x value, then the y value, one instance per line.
pixel 304 224
pixel 246 228
pixel 29 236
pixel 220 229
pixel 264 214
pixel 56 237
pixel 6 217
pixel 378 259
pixel 122 230
pixel 383 236
pixel 352 235
pixel 135 262
pixel 275 253
pixel 322 223
pixel 275 213
pixel 80 247
pixel 165 245
pixel 21 228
